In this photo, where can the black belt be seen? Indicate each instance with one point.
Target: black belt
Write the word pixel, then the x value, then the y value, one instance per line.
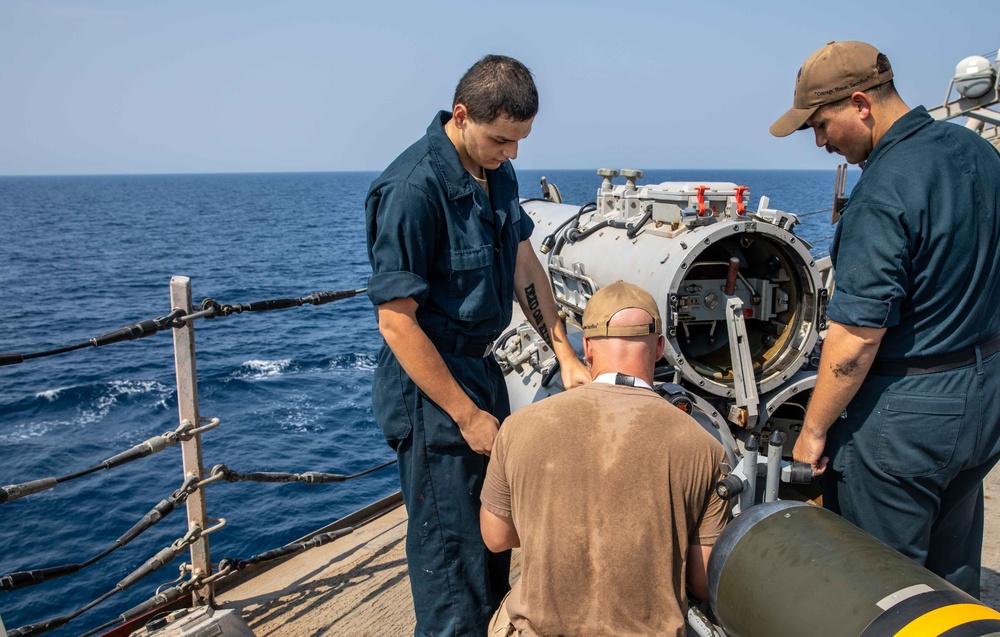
pixel 461 346
pixel 933 364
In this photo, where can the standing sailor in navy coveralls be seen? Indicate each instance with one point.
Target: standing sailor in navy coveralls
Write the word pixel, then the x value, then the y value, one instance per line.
pixel 904 421
pixel 448 243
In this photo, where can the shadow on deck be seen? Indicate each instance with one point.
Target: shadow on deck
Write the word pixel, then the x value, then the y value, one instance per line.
pixel 358 584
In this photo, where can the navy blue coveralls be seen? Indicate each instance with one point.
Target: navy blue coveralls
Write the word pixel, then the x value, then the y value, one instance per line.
pixel 918 252
pixel 435 236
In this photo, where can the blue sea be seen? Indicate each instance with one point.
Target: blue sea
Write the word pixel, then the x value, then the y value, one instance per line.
pixel 82 256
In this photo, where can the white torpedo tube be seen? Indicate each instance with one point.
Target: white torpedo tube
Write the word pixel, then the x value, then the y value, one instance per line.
pixel 740 295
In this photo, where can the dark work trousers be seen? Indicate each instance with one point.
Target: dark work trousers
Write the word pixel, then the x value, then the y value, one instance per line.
pixel 908 462
pixel 457 583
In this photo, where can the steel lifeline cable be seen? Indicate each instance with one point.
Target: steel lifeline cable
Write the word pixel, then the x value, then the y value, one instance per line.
pixel 165 507
pixel 177 318
pixel 210 308
pixel 165 556
pixel 12 492
pixel 20 579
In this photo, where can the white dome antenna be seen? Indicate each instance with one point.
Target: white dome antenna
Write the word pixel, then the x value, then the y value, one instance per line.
pixel 975 77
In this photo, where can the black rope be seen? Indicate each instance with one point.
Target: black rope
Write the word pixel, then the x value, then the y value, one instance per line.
pixel 210 308
pixel 21 579
pixel 12 492
pixel 159 600
pixel 311 477
pixel 814 212
pixel 214 308
pixel 575 234
pixel 631 230
pixel 549 241
pixel 165 556
pixel 550 373
pixel 27 578
pixel 288 549
pixel 127 333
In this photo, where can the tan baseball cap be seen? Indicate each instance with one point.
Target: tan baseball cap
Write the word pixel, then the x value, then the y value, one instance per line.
pixel 610 300
pixel 828 75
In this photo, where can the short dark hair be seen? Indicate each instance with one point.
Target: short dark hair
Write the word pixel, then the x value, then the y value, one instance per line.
pixel 497 86
pixel 878 94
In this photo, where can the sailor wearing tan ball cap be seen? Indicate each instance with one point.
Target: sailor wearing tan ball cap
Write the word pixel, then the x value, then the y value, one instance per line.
pixel 608 489
pixel 830 75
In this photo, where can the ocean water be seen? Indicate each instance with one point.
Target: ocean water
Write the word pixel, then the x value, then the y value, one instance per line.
pixel 82 256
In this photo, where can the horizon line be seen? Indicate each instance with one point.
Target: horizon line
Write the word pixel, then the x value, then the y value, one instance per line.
pixel 376 171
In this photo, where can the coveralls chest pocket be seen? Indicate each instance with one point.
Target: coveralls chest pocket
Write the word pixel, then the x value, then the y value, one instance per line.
pixel 471 255
pixel 471 282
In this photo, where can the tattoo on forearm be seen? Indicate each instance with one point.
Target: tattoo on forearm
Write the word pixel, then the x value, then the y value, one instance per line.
pixel 536 313
pixel 845 369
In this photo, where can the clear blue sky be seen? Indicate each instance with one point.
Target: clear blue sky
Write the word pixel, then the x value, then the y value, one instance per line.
pixel 246 86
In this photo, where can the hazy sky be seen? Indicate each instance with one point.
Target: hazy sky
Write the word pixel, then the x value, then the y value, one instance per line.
pixel 243 86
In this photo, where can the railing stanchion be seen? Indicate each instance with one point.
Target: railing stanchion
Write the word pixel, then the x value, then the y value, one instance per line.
pixel 187 405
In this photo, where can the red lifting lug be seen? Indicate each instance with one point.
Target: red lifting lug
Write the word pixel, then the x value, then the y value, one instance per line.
pixel 702 208
pixel 740 206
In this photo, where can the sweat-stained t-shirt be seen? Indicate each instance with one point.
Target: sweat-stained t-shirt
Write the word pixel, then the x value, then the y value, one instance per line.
pixel 607 487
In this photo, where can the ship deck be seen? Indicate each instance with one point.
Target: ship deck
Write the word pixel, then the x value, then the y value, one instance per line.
pixel 358 585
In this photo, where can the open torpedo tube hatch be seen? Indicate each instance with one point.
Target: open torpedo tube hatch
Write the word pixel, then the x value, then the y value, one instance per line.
pixel 740 295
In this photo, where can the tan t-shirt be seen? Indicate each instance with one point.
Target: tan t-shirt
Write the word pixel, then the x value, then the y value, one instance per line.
pixel 607 486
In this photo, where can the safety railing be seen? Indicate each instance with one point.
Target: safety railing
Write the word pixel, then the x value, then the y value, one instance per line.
pixel 199 578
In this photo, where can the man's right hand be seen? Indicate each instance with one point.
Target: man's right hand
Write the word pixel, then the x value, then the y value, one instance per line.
pixel 479 430
pixel 397 321
pixel 809 449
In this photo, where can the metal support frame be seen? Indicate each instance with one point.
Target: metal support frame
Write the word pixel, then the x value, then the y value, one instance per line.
pixel 744 382
pixel 985 115
pixel 775 446
pixel 187 407
pixel 982 110
pixel 962 105
pixel 749 471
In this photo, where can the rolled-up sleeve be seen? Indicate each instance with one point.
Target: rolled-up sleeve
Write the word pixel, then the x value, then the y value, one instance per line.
pixel 716 513
pixel 495 495
pixel 525 225
pixel 872 249
pixel 402 226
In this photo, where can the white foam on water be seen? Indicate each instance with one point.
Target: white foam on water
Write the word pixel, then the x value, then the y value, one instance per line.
pixel 136 387
pixel 299 414
pixel 363 362
pixel 108 396
pixel 117 389
pixel 51 395
pixel 258 369
pixel 26 431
